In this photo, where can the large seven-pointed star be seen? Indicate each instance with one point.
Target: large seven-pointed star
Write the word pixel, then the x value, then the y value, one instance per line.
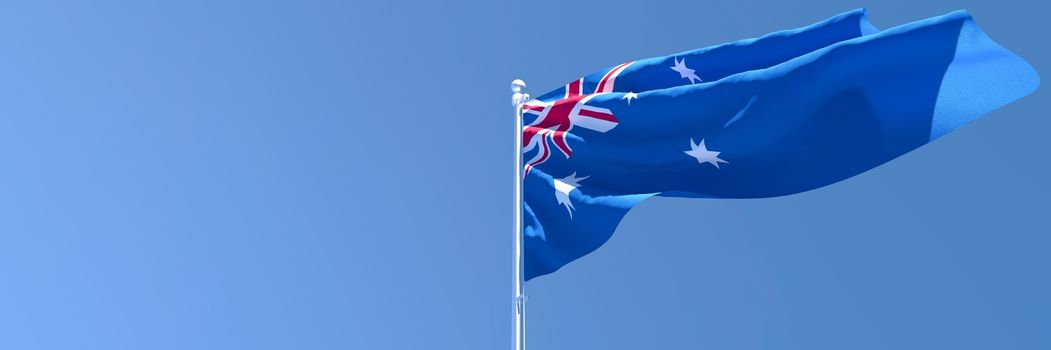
pixel 703 155
pixel 631 95
pixel 563 187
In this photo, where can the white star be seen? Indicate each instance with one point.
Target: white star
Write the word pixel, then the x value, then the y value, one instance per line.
pixel 686 73
pixel 563 187
pixel 703 155
pixel 630 96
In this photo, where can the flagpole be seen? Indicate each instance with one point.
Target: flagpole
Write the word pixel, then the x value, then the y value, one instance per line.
pixel 518 99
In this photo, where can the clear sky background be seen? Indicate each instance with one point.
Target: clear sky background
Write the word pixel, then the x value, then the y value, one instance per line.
pixel 338 175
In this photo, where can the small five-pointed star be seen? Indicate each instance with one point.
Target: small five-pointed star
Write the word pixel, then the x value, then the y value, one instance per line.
pixel 703 155
pixel 630 96
pixel 684 72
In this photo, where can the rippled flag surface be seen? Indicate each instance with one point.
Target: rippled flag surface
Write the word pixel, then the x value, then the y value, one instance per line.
pixel 781 114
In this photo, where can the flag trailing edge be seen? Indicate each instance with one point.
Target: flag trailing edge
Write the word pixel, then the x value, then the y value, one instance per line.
pixel 781 114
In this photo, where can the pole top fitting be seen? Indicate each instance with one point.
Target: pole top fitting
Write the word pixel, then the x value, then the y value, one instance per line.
pixel 519 97
pixel 517 85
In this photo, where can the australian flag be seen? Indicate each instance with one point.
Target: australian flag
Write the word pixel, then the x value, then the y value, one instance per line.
pixel 781 114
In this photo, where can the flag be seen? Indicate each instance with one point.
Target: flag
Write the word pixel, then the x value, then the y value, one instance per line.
pixel 781 114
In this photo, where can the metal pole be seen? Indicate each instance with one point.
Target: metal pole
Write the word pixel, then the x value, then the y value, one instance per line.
pixel 518 99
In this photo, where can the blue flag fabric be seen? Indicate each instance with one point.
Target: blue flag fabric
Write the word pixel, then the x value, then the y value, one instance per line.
pixel 781 114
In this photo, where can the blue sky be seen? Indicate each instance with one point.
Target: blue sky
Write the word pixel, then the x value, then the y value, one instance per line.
pixel 338 175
